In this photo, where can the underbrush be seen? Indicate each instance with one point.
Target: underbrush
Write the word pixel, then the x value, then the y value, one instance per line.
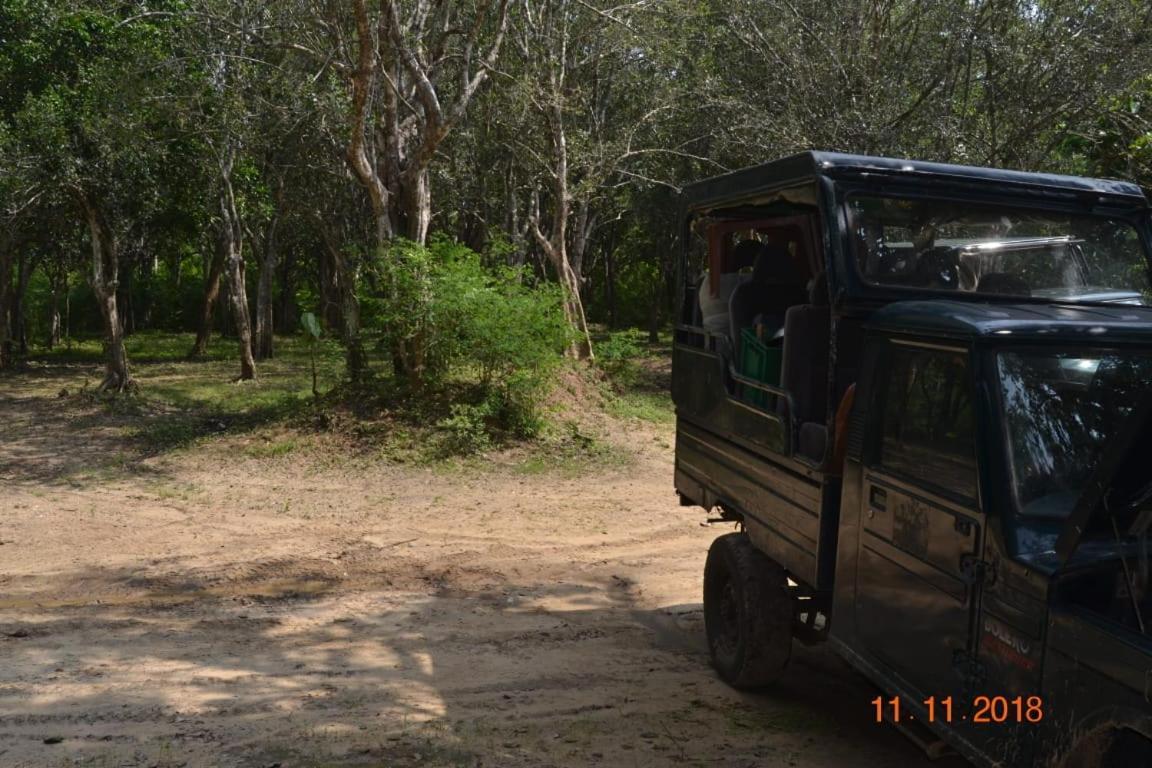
pixel 458 425
pixel 558 421
pixel 637 376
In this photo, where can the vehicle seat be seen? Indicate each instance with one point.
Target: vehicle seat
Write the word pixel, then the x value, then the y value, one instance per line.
pixel 776 284
pixel 804 370
pixel 714 309
pixel 714 313
pixel 1004 283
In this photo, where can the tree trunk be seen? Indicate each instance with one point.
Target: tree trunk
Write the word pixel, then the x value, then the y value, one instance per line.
pixel 415 214
pixel 555 243
pixel 390 156
pixel 103 279
pixel 58 283
pixel 285 316
pixel 268 265
pixel 124 293
pixel 610 279
pixel 19 321
pixel 6 356
pixel 233 238
pixel 211 293
pixel 585 224
pixel 345 287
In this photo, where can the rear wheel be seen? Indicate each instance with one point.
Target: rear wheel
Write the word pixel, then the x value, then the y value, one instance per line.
pixel 747 613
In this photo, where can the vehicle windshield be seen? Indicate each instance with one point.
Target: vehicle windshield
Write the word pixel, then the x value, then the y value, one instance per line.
pixel 947 245
pixel 1060 409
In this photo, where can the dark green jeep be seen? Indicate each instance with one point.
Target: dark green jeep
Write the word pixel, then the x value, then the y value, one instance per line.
pixel 925 393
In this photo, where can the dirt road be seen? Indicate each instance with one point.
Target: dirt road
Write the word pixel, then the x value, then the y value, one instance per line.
pixel 262 600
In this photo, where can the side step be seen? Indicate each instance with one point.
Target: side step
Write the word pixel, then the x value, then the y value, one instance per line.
pixel 919 734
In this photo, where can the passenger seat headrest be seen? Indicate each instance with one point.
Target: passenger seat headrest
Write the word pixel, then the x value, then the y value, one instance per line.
pixel 743 255
pixel 774 266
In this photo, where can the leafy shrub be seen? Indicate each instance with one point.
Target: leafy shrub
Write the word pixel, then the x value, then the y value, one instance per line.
pixel 458 320
pixel 619 347
pixel 466 430
pixel 618 354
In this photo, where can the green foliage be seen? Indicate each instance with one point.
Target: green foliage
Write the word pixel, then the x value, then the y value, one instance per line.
pixel 618 354
pixel 487 326
pixel 133 104
pixel 636 374
pixel 619 348
pixel 466 430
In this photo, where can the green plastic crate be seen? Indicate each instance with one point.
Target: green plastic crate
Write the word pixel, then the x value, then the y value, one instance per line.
pixel 761 362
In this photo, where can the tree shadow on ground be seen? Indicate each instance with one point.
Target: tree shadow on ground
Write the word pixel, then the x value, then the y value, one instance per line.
pixel 284 663
pixel 59 432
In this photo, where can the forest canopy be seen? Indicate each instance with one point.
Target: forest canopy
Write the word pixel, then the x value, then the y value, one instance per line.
pixel 227 166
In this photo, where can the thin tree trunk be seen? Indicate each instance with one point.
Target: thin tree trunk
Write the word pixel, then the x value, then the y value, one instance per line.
pixel 610 279
pixel 330 292
pixel 555 244
pixel 58 280
pixel 581 234
pixel 286 320
pixel 233 237
pixel 103 279
pixel 268 265
pixel 124 294
pixel 360 160
pixel 350 312
pixel 264 316
pixel 6 356
pixel 211 293
pixel 345 281
pixel 19 321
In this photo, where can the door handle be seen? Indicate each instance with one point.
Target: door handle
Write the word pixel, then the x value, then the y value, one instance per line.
pixel 975 571
pixel 878 498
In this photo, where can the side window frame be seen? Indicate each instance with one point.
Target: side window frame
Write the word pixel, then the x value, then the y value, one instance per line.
pixel 884 381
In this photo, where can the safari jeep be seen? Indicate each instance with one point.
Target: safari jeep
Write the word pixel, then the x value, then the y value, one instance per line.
pixel 923 392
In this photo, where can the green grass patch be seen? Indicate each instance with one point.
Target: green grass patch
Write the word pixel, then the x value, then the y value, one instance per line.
pixel 453 422
pixel 181 401
pixel 271 449
pixel 637 376
pixel 654 407
pixel 567 451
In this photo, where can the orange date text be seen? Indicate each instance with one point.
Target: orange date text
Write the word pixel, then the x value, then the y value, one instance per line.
pixel 990 710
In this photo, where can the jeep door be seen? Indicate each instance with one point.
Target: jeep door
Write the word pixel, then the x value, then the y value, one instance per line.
pixel 918 568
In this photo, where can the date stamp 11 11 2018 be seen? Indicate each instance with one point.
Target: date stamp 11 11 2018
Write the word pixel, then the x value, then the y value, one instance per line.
pixel 990 710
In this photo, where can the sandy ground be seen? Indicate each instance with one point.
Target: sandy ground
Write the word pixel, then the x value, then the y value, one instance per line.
pixel 221 606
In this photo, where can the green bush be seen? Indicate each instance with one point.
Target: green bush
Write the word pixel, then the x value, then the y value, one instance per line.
pixel 470 324
pixel 617 355
pixel 466 430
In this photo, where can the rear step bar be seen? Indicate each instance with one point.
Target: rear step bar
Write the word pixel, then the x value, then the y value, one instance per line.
pixel 931 744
